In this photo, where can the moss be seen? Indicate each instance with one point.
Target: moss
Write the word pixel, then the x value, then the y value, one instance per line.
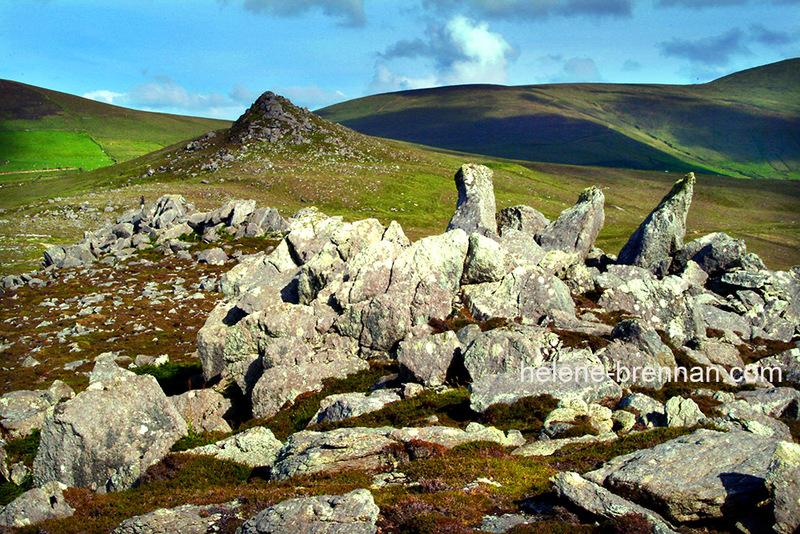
pixel 625 524
pixel 197 439
pixel 10 491
pixel 581 427
pixel 526 415
pixel 23 449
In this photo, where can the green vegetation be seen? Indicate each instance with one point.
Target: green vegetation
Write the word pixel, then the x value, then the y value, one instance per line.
pixel 174 378
pixel 741 125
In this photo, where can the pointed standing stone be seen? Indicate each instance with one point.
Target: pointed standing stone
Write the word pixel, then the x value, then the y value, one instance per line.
pixel 476 208
pixel 661 234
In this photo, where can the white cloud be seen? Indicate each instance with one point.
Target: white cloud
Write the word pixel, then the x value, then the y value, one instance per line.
pixel 107 97
pixel 463 51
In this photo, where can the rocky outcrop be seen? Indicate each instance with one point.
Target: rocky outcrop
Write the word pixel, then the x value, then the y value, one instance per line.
pixel 37 505
pixel 575 230
pixel 353 513
pixel 108 435
pixel 203 410
pixel 427 359
pixel 475 211
pixel 703 475
pixel 661 234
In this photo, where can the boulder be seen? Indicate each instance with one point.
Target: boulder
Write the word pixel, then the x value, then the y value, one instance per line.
pixel 661 234
pixel 37 505
pixel 506 350
pixel 426 359
pixel 521 218
pixel 785 366
pixel 108 435
pixel 682 412
pixel 636 347
pixel 783 482
pixel 212 256
pixel 203 410
pixel 475 211
pixel 703 475
pixel 600 502
pixel 547 447
pixel 186 519
pixel 650 412
pixel 522 247
pixel 713 253
pixel 352 513
pixel 487 261
pixel 256 447
pixel 575 230
pixel 346 405
pixel 22 412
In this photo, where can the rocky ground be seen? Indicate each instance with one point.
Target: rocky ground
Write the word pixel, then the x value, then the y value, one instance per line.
pixel 230 370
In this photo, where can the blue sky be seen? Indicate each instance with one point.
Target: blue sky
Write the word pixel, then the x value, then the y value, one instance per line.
pixel 214 57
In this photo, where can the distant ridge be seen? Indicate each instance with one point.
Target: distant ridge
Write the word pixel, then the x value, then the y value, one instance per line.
pixel 745 124
pixel 44 129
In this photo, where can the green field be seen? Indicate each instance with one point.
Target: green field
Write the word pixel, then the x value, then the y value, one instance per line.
pixel 48 149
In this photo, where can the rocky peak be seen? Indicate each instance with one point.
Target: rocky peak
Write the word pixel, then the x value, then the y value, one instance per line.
pixel 274 119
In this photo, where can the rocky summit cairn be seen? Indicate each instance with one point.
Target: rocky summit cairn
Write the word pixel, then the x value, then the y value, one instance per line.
pixel 661 234
pixel 475 211
pixel 274 119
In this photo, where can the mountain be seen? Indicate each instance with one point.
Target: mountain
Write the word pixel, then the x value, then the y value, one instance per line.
pixel 743 125
pixel 44 129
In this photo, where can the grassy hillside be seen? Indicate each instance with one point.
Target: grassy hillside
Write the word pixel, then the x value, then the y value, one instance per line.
pixel 744 125
pixel 356 176
pixel 43 129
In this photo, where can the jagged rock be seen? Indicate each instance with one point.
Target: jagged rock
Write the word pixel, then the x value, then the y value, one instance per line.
pixel 506 350
pixel 547 447
pixel 774 402
pixel 256 447
pixel 106 368
pixel 521 218
pixel 76 256
pixel 347 405
pixel 661 234
pixel 576 229
pixel 486 261
pixel 623 421
pixel 522 247
pixel 682 412
pixel 108 435
pixel 37 505
pixel 580 376
pixel 352 513
pixel 265 221
pixel 21 412
pixel 186 519
pixel 212 256
pixel 783 482
pixel 526 292
pixel 476 209
pixel 203 410
pixel 651 413
pixel 597 500
pixel 427 359
pixel 788 363
pixel 703 475
pixel 637 346
pixel 713 253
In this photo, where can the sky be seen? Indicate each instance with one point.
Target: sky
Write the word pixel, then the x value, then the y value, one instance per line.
pixel 213 58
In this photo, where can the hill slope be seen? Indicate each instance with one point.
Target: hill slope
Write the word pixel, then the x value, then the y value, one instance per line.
pixel 743 125
pixel 44 129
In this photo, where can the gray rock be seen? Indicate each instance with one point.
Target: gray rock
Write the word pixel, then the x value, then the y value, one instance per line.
pixel 774 402
pixel 661 234
pixel 651 412
pixel 522 247
pixel 713 253
pixel 526 292
pixel 37 505
pixel 54 255
pixel 241 211
pixel 547 447
pixel 500 524
pixel 576 229
pixel 475 211
pixel 268 220
pixel 106 368
pixel 598 501
pixel 635 347
pixel 704 475
pixel 486 261
pixel 186 519
pixel 346 405
pixel 21 412
pixel 785 365
pixel 256 447
pixel 783 482
pixel 76 256
pixel 521 218
pixel 583 378
pixel 108 435
pixel 682 412
pixel 427 359
pixel 212 256
pixel 203 410
pixel 352 513
pixel 506 350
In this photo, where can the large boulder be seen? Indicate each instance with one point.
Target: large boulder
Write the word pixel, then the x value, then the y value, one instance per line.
pixel 107 436
pixel 37 505
pixel 203 410
pixel 487 261
pixel 352 513
pixel 783 482
pixel 506 350
pixel 426 359
pixel 475 211
pixel 661 234
pixel 524 219
pixel 704 475
pixel 22 412
pixel 575 230
pixel 713 253
pixel 186 519
pixel 636 347
pixel 346 405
